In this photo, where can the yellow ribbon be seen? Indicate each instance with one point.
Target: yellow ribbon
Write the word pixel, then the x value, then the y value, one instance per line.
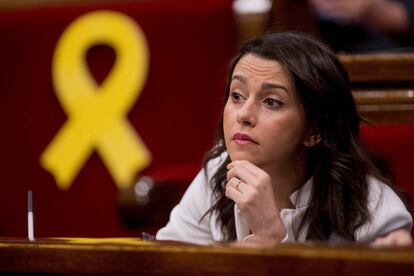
pixel 96 114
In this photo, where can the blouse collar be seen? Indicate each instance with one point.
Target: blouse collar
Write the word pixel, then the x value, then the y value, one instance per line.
pixel 301 197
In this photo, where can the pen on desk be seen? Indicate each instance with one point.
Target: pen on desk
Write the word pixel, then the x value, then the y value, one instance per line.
pixel 30 217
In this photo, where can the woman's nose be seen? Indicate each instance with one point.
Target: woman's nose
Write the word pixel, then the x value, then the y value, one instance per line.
pixel 247 113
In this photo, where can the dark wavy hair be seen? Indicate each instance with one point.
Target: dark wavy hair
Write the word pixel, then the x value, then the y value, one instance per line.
pixel 339 164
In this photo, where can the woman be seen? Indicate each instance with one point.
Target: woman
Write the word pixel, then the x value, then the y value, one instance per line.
pixel 288 164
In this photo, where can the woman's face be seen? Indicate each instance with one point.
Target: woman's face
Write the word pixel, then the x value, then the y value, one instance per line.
pixel 264 121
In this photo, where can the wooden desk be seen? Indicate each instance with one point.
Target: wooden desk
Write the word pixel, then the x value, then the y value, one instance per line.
pixel 118 257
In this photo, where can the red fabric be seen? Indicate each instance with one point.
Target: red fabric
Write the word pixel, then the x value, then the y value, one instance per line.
pixel 190 44
pixel 395 143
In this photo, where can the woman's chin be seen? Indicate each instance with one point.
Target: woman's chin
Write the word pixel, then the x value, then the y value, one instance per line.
pixel 243 156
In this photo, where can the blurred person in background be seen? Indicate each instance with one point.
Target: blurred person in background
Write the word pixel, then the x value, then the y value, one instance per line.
pixel 357 26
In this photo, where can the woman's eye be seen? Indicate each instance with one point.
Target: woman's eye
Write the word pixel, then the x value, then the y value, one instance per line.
pixel 273 103
pixel 236 97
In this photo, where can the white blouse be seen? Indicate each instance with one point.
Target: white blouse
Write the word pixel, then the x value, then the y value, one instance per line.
pixel 388 213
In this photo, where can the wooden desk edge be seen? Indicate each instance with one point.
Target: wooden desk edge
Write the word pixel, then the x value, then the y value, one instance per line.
pixel 320 251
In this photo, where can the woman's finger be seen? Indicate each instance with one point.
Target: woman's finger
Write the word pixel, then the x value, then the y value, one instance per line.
pixel 241 173
pixel 245 164
pixel 239 185
pixel 244 174
pixel 233 194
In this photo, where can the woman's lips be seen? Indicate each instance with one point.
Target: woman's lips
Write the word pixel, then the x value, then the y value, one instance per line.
pixel 243 139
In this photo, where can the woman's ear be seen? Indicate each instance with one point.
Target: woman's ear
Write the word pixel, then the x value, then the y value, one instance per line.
pixel 313 137
pixel 312 140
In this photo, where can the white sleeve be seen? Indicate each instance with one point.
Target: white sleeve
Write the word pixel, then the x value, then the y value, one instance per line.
pixel 388 213
pixel 184 224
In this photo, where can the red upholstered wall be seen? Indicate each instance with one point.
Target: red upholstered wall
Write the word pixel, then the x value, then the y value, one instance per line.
pixel 395 143
pixel 190 44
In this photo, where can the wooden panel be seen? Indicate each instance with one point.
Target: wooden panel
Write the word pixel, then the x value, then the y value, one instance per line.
pixel 382 106
pixel 383 86
pixel 156 258
pixel 371 68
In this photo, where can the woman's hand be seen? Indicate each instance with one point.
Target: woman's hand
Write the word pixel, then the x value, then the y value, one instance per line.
pixel 396 238
pixel 251 189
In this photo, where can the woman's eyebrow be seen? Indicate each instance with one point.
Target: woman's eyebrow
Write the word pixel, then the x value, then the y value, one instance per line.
pixel 264 86
pixel 267 86
pixel 239 78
